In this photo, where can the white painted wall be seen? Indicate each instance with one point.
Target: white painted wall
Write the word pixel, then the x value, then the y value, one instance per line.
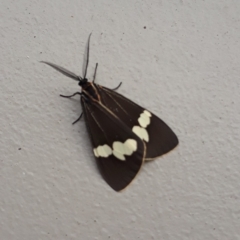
pixel 179 59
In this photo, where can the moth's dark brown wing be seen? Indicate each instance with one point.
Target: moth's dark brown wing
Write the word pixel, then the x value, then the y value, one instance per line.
pixel 161 139
pixel 119 152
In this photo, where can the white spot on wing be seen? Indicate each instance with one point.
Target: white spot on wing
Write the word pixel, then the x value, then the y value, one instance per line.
pixel 119 156
pixel 144 121
pixel 127 148
pixel 141 132
pixel 130 146
pixel 119 149
pixel 147 113
pixel 102 151
pixel 95 152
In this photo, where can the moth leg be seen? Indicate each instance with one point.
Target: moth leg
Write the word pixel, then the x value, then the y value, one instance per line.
pixel 78 118
pixel 76 93
pixel 95 72
pixel 117 86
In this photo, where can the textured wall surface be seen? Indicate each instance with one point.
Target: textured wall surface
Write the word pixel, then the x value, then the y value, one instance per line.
pixel 179 59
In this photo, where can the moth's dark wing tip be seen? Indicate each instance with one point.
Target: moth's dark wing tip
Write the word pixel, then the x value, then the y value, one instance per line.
pixel 177 141
pixel 174 141
pixel 119 175
pixel 163 149
pixel 162 139
pixel 169 141
pixel 173 138
pixel 117 188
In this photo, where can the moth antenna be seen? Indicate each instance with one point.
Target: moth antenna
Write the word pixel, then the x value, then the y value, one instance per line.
pixel 64 71
pixel 95 72
pixel 87 58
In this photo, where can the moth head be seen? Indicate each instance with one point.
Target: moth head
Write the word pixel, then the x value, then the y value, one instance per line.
pixel 82 81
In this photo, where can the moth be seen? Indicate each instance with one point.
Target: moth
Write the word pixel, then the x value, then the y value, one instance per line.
pixel 123 134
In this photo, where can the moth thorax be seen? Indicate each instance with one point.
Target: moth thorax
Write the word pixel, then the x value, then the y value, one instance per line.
pixel 90 89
